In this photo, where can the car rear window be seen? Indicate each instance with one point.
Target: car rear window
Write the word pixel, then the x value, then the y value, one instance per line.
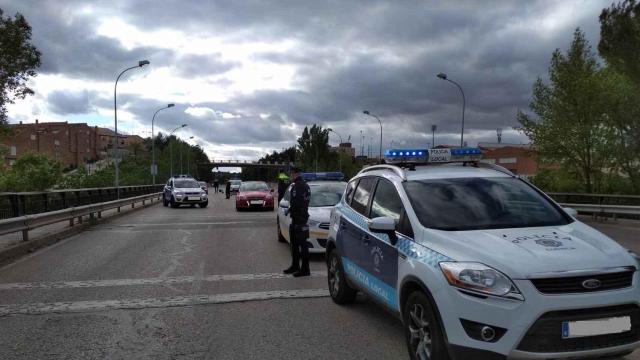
pixel 481 203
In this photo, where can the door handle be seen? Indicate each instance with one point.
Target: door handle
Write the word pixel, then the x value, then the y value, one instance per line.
pixel 366 240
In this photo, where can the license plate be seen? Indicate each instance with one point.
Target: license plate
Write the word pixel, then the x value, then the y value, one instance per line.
pixel 193 198
pixel 256 202
pixel 615 325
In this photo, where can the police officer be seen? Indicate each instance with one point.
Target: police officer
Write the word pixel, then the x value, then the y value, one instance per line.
pixel 228 189
pixel 299 229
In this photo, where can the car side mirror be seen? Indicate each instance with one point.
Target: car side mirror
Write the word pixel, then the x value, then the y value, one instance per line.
pixel 284 204
pixel 271 190
pixel 168 188
pixel 384 225
pixel 571 211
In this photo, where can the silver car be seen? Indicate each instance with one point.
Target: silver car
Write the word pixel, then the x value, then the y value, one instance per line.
pixel 184 191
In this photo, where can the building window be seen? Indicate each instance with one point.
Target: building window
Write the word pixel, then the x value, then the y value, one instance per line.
pixel 509 160
pixel 55 131
pixel 33 136
pixel 56 142
pixel 13 151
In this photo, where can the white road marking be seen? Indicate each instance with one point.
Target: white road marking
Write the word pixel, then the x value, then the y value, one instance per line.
pixel 174 301
pixel 147 281
pixel 190 223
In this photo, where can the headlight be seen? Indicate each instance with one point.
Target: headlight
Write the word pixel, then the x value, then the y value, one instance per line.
pixel 178 193
pixel 480 278
pixel 635 256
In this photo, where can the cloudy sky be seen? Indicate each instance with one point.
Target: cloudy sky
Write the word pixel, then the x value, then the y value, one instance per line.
pixel 247 76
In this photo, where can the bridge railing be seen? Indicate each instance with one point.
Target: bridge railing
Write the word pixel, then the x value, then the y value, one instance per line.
pixel 14 204
pixel 29 222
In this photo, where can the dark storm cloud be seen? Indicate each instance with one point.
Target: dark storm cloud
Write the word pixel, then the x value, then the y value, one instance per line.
pixel 198 65
pixel 348 56
pixel 70 45
pixel 66 102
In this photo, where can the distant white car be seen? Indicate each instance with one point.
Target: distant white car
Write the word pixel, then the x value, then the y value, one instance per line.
pixel 235 185
pixel 324 195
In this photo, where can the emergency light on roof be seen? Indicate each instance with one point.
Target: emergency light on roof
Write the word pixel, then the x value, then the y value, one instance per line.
pixel 327 176
pixel 427 156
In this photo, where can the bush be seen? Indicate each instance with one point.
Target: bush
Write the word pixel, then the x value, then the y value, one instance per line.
pixel 31 172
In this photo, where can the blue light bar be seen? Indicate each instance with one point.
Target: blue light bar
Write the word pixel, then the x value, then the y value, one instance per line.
pixel 427 156
pixel 326 176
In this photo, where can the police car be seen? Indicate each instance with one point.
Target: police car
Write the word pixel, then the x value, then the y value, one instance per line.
pixel 480 264
pixel 326 191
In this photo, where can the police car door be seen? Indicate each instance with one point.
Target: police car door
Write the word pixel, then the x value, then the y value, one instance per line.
pixel 285 220
pixel 381 260
pixel 353 227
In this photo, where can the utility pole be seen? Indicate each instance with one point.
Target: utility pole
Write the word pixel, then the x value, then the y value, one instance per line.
pixel 499 133
pixel 433 135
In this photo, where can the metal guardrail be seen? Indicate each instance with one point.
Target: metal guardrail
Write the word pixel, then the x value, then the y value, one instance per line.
pixel 601 205
pixel 13 204
pixel 30 222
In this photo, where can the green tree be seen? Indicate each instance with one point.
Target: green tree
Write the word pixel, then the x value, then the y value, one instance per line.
pixel 570 127
pixel 620 47
pixel 18 61
pixel 620 38
pixel 31 172
pixel 315 151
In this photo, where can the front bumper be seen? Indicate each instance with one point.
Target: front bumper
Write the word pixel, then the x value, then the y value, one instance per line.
pixel 246 203
pixel 519 318
pixel 190 199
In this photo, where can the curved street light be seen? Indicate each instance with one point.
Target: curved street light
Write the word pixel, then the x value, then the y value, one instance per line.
pixel 339 150
pixel 153 143
pixel 366 112
pixel 443 76
pixel 141 63
pixel 171 148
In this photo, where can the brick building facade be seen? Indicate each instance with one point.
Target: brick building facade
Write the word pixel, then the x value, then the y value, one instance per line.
pixel 519 159
pixel 72 144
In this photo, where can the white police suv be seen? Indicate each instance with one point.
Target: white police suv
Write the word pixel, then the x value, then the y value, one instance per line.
pixel 479 264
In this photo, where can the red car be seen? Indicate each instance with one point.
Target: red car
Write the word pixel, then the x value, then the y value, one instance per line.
pixel 254 195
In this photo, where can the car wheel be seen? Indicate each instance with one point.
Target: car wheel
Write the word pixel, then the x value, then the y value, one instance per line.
pixel 174 204
pixel 341 292
pixel 280 237
pixel 423 334
pixel 204 204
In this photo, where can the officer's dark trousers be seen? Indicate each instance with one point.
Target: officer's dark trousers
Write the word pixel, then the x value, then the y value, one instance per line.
pixel 299 246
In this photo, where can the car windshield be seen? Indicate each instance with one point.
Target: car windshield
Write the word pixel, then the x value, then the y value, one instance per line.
pixel 254 186
pixel 481 203
pixel 181 184
pixel 326 194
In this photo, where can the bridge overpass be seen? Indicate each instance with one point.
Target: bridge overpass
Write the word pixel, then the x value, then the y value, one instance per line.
pixel 247 164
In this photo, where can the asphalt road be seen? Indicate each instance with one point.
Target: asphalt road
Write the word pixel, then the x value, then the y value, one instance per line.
pixel 187 283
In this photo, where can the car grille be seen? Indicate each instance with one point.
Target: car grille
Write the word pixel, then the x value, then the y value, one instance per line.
pixel 324 225
pixel 573 284
pixel 192 193
pixel 545 335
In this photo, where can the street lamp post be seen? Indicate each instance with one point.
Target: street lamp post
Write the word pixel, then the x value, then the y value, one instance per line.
pixel 141 63
pixel 153 143
pixel 171 148
pixel 366 112
pixel 189 156
pixel 464 101
pixel 339 149
pixel 433 135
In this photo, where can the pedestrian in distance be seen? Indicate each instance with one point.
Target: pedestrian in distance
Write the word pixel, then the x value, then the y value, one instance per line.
pixel 228 189
pixel 216 185
pixel 299 228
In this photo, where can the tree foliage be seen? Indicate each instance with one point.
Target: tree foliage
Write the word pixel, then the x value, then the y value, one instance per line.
pixel 571 124
pixel 18 61
pixel 620 38
pixel 31 172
